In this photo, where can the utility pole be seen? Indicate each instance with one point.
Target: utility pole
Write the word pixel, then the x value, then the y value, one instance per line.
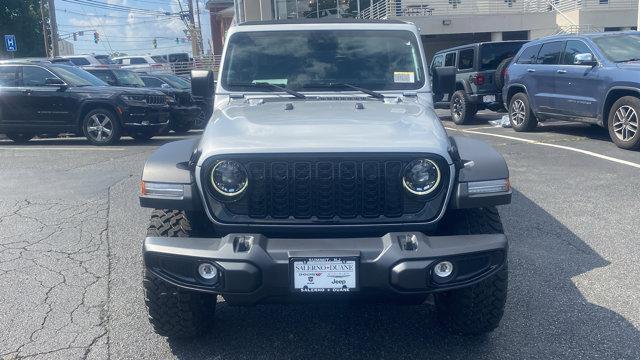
pixel 200 40
pixel 54 28
pixel 44 29
pixel 195 39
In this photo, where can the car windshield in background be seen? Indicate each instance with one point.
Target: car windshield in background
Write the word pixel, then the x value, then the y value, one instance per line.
pixel 175 81
pixel 619 48
pixel 104 59
pixel 75 76
pixel 492 54
pixel 128 78
pixel 304 59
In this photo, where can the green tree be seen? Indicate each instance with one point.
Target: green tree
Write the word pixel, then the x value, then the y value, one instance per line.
pixel 22 19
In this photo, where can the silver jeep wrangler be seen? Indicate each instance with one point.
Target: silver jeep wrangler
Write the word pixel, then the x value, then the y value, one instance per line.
pixel 324 174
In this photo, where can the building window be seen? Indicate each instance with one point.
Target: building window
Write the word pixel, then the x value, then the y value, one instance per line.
pixel 603 2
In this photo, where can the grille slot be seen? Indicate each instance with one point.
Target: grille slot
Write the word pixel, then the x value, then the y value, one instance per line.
pixel 155 99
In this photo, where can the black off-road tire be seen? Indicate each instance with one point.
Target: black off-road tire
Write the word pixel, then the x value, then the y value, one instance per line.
pixel 498 76
pixel 175 312
pixel 462 110
pixel 633 142
pixel 20 138
pixel 520 115
pixel 476 309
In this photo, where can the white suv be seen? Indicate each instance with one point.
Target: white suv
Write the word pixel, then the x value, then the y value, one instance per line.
pixel 143 63
pixel 81 60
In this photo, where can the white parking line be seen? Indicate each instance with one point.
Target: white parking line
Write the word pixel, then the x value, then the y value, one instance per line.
pixel 534 142
pixel 60 148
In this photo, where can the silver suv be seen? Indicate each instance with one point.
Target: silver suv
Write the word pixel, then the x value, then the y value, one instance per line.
pixel 324 173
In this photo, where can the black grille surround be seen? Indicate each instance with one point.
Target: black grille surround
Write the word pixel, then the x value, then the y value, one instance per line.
pixel 316 189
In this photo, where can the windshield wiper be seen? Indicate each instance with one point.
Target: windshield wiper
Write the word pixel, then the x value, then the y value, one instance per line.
pixel 371 93
pixel 272 86
pixel 628 60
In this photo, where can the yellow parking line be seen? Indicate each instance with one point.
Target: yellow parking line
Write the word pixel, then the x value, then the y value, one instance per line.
pixel 535 142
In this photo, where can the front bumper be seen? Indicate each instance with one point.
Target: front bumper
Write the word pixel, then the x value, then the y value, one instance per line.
pixel 255 268
pixel 184 114
pixel 145 117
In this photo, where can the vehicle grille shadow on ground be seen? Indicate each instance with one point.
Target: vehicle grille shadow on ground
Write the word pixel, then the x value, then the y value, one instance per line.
pixel 546 317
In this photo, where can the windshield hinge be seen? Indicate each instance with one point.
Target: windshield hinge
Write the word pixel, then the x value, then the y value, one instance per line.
pixel 409 94
pixel 236 96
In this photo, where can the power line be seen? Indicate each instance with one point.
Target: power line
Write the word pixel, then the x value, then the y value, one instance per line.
pixel 114 7
pixel 111 16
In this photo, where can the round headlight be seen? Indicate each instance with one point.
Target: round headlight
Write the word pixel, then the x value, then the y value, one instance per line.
pixel 421 177
pixel 229 178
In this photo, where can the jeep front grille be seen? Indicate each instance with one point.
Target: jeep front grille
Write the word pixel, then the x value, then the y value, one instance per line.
pixel 156 99
pixel 316 188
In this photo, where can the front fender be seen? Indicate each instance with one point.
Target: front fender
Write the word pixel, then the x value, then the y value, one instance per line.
pixel 170 164
pixel 483 163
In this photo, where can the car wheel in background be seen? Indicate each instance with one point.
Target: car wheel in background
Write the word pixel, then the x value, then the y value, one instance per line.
pixel 142 135
pixel 101 127
pixel 462 110
pixel 498 76
pixel 20 138
pixel 520 115
pixel 623 122
pixel 181 128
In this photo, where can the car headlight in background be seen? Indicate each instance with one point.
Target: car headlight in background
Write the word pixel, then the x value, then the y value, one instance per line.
pixel 134 98
pixel 169 99
pixel 421 177
pixel 229 178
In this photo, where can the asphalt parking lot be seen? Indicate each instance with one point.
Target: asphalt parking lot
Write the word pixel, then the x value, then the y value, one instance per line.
pixel 70 263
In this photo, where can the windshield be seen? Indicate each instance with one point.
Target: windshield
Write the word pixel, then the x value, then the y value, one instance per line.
pixel 128 78
pixel 104 59
pixel 619 48
pixel 175 81
pixel 492 54
pixel 315 59
pixel 75 76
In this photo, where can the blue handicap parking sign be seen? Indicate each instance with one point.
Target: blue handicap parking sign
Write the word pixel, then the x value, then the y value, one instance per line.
pixel 10 43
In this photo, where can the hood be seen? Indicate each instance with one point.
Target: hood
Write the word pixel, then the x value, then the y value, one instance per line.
pixel 256 126
pixel 630 65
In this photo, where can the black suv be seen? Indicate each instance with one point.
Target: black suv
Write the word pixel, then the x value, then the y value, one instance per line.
pixel 182 109
pixel 54 98
pixel 480 71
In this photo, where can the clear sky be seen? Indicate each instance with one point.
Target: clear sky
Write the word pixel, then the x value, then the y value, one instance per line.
pixel 130 31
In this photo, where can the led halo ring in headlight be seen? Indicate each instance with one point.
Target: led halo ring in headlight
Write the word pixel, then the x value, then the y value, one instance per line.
pixel 229 178
pixel 421 177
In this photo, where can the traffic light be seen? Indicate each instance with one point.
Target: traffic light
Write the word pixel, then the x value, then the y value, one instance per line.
pixel 96 37
pixel 155 43
pixel 75 37
pixel 177 41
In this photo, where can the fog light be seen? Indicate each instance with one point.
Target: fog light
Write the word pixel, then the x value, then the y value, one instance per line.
pixel 443 269
pixel 207 271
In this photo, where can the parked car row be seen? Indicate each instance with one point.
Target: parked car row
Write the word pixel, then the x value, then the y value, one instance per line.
pixel 101 103
pixel 592 78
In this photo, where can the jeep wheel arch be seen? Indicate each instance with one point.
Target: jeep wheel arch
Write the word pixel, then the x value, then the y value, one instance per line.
pixel 613 94
pixel 86 107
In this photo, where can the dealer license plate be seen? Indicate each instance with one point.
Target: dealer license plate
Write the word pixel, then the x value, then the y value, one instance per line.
pixel 324 274
pixel 489 98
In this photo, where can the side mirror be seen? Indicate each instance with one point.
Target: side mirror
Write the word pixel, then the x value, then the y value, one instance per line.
pixel 54 82
pixel 202 84
pixel 444 80
pixel 585 59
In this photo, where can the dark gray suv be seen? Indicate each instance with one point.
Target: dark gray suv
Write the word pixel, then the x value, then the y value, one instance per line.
pixel 590 78
pixel 479 72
